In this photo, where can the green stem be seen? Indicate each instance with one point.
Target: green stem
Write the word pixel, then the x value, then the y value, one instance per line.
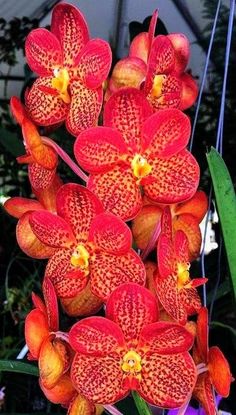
pixel 141 405
pixel 19 367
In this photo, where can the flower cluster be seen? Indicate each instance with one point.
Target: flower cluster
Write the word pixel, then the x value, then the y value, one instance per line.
pixel 144 338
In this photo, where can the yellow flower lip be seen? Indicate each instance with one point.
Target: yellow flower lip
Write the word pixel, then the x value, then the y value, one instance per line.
pixel 132 363
pixel 157 85
pixel 182 273
pixel 140 166
pixel 61 82
pixel 80 257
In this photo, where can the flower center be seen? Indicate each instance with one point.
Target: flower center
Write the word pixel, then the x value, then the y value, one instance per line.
pixel 182 274
pixel 61 82
pixel 132 363
pixel 140 166
pixel 80 257
pixel 157 85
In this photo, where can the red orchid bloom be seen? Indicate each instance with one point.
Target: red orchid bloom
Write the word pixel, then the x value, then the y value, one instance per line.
pixel 22 208
pixel 157 65
pixel 71 71
pixel 186 216
pixel 218 374
pixel 131 350
pixel 42 159
pixel 91 246
pixel 175 290
pixel 137 148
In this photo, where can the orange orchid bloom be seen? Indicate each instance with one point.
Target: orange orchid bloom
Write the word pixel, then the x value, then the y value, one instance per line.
pixel 71 71
pixel 158 66
pixel 186 216
pixel 217 375
pixel 130 350
pixel 41 159
pixel 91 246
pixel 175 290
pixel 137 151
pixel 22 208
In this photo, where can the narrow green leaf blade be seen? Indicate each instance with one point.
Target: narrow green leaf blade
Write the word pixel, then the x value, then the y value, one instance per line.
pixel 20 367
pixel 226 205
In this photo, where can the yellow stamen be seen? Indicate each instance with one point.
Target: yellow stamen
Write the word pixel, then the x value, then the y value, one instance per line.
pixel 157 85
pixel 80 257
pixel 140 166
pixel 61 82
pixel 132 364
pixel 182 274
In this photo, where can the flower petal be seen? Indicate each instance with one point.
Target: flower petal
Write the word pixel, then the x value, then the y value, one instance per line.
pixel 94 63
pixel 28 241
pixel 168 295
pixel 43 107
pixel 70 28
pixel 50 299
pixel 202 334
pixel 51 365
pixel 165 338
pixel 168 94
pixel 99 379
pixel 38 303
pixel 167 380
pixel 99 149
pixel 176 178
pixel 132 307
pixel 110 234
pixel 166 132
pixel 181 47
pixel 144 223
pixel 83 304
pixel 85 107
pixel 47 196
pixel 108 272
pixel 126 111
pixel 128 72
pixel 219 371
pixel 119 192
pixel 181 247
pixel 204 394
pixel 196 206
pixel 152 27
pixel 43 52
pixel 81 406
pixel 96 336
pixel 189 91
pixel 41 153
pixel 40 178
pixel 51 229
pixel 165 255
pixel 139 47
pixel 36 330
pixel 78 206
pixel 18 110
pixel 17 206
pixel 63 392
pixel 189 225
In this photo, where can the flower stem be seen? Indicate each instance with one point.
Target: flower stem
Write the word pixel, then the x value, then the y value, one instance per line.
pixel 141 405
pixel 64 156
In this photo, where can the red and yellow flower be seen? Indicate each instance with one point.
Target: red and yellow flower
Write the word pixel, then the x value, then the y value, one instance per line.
pixel 131 350
pixel 134 149
pixel 217 375
pixel 91 246
pixel 71 71
pixel 175 290
pixel 158 66
pixel 186 216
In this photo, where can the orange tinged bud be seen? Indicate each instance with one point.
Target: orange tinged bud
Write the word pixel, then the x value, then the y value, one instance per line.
pixel 36 331
pixel 63 392
pixel 83 304
pixel 144 224
pixel 81 406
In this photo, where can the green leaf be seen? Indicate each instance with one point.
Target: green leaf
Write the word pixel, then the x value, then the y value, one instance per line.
pixel 11 142
pixel 20 367
pixel 141 405
pixel 226 205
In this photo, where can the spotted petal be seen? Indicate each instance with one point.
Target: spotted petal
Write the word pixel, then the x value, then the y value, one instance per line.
pixel 181 247
pixel 202 334
pixel 51 229
pixel 94 63
pixel 47 196
pixel 85 107
pixel 108 272
pixel 126 111
pixel 204 394
pixel 70 28
pixel 181 47
pixel 43 52
pixel 167 380
pixel 99 149
pixel 99 379
pixel 189 225
pixel 165 338
pixel 50 299
pixel 96 336
pixel 118 191
pixel 175 179
pixel 165 256
pixel 110 234
pixel 40 178
pixel 78 206
pixel 189 91
pixel 166 133
pixel 132 307
pixel 44 105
